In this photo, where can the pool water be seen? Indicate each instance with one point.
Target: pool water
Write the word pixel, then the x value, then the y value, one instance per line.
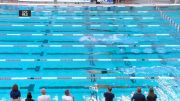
pixel 57 46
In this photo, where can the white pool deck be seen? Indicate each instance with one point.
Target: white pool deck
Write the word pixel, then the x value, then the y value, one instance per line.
pixel 129 3
pixel 92 5
pixel 122 2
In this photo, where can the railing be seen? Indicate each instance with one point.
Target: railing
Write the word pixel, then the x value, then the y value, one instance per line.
pixel 167 18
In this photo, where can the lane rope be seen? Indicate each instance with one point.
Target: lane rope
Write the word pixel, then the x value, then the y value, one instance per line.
pixel 86 78
pixel 84 60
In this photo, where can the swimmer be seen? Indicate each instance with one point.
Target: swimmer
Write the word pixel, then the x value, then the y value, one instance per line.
pixel 92 39
pixel 100 72
pixel 126 70
pixel 111 39
pixel 88 38
pixel 129 71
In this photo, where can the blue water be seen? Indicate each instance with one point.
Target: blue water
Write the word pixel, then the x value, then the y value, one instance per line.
pixel 100 30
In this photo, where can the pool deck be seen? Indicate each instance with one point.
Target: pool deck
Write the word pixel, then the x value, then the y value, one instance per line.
pixel 129 2
pixel 93 5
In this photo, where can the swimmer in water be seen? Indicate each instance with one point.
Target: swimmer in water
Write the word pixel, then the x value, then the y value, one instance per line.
pixel 130 72
pixel 100 72
pixel 88 38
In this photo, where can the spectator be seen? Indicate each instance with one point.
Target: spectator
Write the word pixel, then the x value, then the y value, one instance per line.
pixel 138 96
pixel 114 1
pixel 67 96
pixel 151 96
pixel 109 95
pixel 43 97
pixel 29 97
pixel 15 93
pixel 117 1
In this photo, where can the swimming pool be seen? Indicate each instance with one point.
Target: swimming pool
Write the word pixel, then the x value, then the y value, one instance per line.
pixel 55 48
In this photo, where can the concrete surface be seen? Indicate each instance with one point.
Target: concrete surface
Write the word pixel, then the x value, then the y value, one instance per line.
pixel 129 1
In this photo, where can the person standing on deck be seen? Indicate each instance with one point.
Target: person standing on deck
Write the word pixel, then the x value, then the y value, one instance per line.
pixel 109 96
pixel 151 96
pixel 15 93
pixel 138 96
pixel 67 96
pixel 43 97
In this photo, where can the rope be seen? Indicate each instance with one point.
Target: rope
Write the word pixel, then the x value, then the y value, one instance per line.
pixel 169 19
pixel 87 78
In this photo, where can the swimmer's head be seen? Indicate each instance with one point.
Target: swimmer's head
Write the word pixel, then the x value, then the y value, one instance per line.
pixel 109 89
pixel 138 90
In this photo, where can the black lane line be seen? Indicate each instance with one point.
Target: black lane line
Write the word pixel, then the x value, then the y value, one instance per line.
pixel 62 41
pixel 37 68
pixel 13 30
pixel 67 53
pixel 41 53
pixel 46 41
pixel 88 53
pixel 19 53
pixel 3 68
pixel 22 22
pixel 64 87
pixel 16 41
pixel 29 68
pixel 132 35
pixel 8 53
pixel 111 53
pixel 74 68
pixel 88 87
pixel 43 41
